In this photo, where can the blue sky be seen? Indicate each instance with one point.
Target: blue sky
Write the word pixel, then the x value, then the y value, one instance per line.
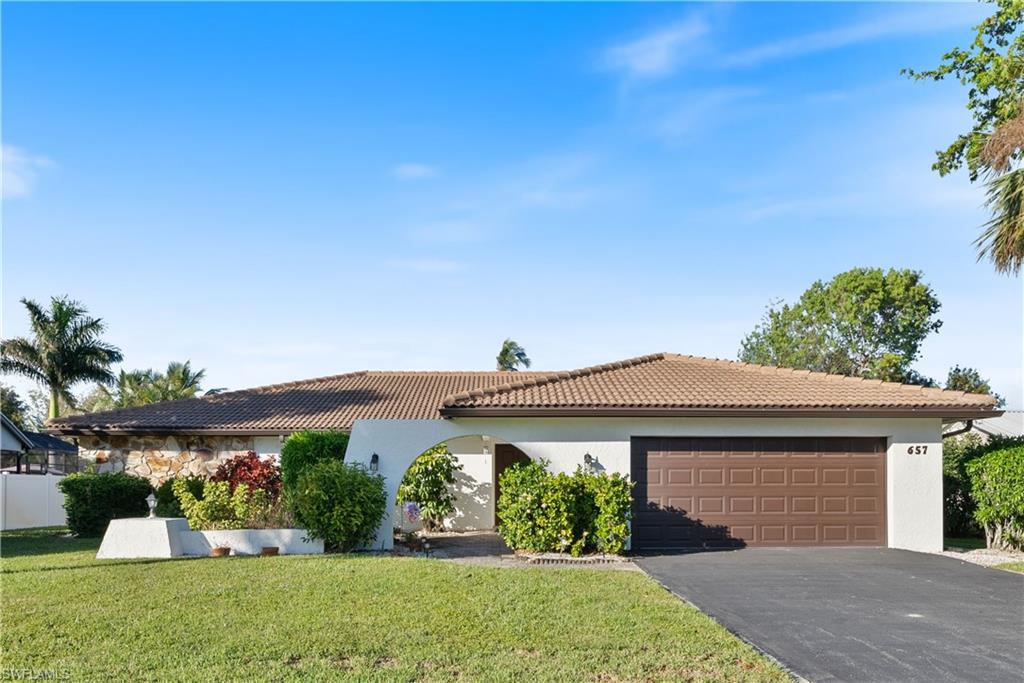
pixel 286 191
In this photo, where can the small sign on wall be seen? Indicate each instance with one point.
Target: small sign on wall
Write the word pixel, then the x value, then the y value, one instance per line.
pixel 920 449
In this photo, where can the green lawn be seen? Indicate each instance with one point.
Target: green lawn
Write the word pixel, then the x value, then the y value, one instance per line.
pixel 336 616
pixel 965 543
pixel 1012 566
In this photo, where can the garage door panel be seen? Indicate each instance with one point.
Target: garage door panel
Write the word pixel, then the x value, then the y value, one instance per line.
pixel 759 491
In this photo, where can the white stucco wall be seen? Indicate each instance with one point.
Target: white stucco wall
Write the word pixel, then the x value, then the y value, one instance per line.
pixel 914 481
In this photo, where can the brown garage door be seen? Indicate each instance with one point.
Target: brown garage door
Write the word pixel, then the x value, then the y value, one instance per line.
pixel 710 492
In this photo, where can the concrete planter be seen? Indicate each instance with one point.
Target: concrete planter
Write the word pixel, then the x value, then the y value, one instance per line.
pixel 161 537
pixel 249 542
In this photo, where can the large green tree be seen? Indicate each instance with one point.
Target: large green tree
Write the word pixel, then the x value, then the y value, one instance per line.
pixel 65 349
pixel 971 381
pixel 142 387
pixel 512 356
pixel 866 322
pixel 11 405
pixel 993 69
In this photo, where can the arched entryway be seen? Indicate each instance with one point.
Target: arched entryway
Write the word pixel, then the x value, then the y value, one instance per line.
pixel 391 446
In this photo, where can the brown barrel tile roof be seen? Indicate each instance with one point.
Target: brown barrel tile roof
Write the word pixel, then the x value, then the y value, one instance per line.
pixel 323 403
pixel 656 384
pixel 670 381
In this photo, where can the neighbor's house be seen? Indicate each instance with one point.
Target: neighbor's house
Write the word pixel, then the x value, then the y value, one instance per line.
pixel 1009 424
pixel 24 452
pixel 721 452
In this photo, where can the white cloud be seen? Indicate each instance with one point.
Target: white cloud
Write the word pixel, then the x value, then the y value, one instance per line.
pixel 20 171
pixel 919 20
pixel 414 171
pixel 659 53
pixel 694 111
pixel 426 265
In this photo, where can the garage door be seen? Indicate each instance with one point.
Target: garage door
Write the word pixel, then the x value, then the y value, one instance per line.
pixel 709 492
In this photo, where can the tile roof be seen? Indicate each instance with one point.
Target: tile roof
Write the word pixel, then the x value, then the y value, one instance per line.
pixel 323 403
pixel 656 384
pixel 667 381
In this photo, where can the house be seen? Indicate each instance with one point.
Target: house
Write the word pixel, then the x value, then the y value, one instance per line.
pixel 25 452
pixel 723 453
pixel 1009 424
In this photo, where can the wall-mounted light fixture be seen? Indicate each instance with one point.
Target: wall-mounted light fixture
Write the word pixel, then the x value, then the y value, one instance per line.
pixel 374 462
pixel 588 462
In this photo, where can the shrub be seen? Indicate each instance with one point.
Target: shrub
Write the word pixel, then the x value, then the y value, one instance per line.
pixel 92 500
pixel 997 486
pixel 958 505
pixel 582 512
pixel 222 508
pixel 167 503
pixel 251 470
pixel 428 484
pixel 339 503
pixel 303 449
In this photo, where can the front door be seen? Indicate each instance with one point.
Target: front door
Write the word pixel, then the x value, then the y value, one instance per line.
pixel 505 455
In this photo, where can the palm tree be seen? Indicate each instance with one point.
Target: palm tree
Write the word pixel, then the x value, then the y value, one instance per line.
pixel 512 356
pixel 142 387
pixel 65 349
pixel 1003 239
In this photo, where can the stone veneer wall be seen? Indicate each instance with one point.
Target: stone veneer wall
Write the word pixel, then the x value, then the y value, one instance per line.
pixel 159 458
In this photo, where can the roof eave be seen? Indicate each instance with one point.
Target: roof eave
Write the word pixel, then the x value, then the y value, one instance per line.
pixel 943 412
pixel 168 430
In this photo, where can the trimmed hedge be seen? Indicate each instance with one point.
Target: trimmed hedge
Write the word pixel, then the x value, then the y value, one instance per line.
pixel 339 503
pixel 92 500
pixel 997 486
pixel 303 449
pixel 577 513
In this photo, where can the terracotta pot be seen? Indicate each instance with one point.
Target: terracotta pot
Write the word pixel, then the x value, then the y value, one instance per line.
pixel 269 550
pixel 220 552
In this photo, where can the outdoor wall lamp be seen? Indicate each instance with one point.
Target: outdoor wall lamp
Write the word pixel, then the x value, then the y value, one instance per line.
pixel 588 462
pixel 151 502
pixel 374 462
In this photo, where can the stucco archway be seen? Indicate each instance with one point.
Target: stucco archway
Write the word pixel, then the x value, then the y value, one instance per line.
pixel 397 443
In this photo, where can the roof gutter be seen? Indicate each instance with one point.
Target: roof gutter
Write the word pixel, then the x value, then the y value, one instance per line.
pixel 968 425
pixel 937 412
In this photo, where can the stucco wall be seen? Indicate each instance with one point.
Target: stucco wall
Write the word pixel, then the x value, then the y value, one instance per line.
pixel 914 481
pixel 160 457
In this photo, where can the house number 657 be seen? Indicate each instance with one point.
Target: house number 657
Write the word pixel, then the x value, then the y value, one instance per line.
pixel 917 450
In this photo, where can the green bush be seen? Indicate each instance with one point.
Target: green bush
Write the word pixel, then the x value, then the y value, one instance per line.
pixel 92 500
pixel 339 503
pixel 578 513
pixel 958 505
pixel 997 486
pixel 303 449
pixel 428 484
pixel 167 503
pixel 222 508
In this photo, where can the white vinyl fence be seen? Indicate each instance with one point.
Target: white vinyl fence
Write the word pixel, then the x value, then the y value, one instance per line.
pixel 30 500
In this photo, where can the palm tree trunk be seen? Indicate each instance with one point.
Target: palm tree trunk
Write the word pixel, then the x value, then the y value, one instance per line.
pixel 54 403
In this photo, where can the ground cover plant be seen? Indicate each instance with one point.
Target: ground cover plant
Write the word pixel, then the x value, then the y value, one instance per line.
pixel 347 617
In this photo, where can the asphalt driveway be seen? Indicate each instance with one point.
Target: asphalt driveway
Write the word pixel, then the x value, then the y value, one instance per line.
pixel 860 614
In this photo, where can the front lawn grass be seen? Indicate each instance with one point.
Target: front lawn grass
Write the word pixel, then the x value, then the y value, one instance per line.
pixel 377 618
pixel 965 543
pixel 1012 566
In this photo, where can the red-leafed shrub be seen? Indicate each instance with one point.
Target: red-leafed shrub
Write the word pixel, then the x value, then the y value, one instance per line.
pixel 249 469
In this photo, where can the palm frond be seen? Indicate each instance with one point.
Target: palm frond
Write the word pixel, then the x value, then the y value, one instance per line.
pixel 1002 241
